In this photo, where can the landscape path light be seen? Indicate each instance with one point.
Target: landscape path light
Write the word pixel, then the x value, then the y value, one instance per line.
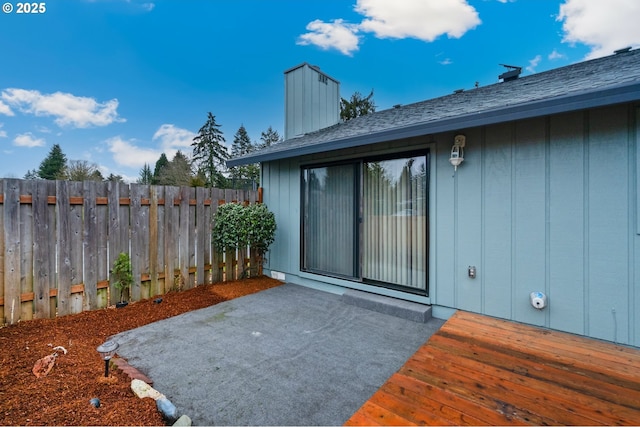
pixel 107 350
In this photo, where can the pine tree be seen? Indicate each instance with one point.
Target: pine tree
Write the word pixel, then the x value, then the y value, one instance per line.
pixel 357 106
pixel 146 176
pixel 54 165
pixel 114 178
pixel 177 172
pixel 269 137
pixel 83 170
pixel 209 150
pixel 161 163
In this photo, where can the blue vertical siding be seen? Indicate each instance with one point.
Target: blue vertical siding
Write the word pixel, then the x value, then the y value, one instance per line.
pixel 497 214
pixel 608 225
pixel 566 262
pixel 529 214
pixel 468 225
pixel 556 213
pixel 281 181
pixel 549 204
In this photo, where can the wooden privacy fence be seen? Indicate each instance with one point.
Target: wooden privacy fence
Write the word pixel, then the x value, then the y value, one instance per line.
pixel 59 239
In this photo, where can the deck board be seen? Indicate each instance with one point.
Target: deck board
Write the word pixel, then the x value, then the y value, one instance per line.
pixel 481 370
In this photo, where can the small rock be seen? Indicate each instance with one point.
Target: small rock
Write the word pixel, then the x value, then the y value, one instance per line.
pixel 157 300
pixel 183 421
pixel 142 390
pixel 167 408
pixel 95 402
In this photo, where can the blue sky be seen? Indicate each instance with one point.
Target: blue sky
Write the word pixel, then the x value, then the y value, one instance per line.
pixel 118 82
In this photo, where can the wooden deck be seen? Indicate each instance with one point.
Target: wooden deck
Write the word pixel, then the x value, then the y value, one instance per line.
pixel 479 370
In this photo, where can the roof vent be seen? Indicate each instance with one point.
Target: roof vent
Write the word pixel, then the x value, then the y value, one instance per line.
pixel 623 50
pixel 458 91
pixel 512 74
pixel 397 106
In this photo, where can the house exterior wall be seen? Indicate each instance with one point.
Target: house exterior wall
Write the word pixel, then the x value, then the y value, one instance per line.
pixel 548 204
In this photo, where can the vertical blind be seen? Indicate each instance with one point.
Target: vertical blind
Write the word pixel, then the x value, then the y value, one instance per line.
pixel 394 222
pixel 329 220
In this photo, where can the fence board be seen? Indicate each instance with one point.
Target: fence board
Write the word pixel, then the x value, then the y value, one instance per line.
pixel 191 263
pixel 206 225
pixel 26 251
pixel 2 246
pixel 59 240
pixel 102 268
pixel 76 225
pixel 137 229
pixel 200 259
pixel 90 247
pixel 153 241
pixel 12 250
pixel 115 244
pixel 183 238
pixel 217 258
pixel 63 235
pixel 171 223
pixel 160 262
pixel 41 252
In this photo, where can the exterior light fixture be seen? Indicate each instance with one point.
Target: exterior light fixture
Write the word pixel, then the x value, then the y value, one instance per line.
pixel 457 151
pixel 107 350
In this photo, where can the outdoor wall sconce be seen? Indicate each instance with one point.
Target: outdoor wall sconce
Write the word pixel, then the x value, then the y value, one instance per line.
pixel 457 151
pixel 107 350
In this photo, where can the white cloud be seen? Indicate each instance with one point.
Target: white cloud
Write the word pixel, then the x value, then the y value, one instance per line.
pixel 173 138
pixel 604 26
pixel 446 61
pixel 148 6
pixel 27 140
pixel 556 55
pixel 4 109
pixel 3 134
pixel 335 35
pixel 419 19
pixel 125 153
pixel 68 109
pixel 533 63
pixel 168 139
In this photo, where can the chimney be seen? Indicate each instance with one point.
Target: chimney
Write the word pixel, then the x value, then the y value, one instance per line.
pixel 311 100
pixel 512 74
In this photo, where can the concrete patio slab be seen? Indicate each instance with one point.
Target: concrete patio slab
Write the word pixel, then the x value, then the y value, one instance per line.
pixel 289 355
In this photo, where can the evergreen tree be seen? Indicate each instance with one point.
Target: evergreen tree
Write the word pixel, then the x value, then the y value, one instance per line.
pixel 82 170
pixel 210 152
pixel 177 172
pixel 146 176
pixel 31 174
pixel 269 137
pixel 357 106
pixel 54 165
pixel 241 145
pixel 114 178
pixel 160 164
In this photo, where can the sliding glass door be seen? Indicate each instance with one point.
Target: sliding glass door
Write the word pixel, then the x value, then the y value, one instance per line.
pixel 367 220
pixel 394 225
pixel 330 220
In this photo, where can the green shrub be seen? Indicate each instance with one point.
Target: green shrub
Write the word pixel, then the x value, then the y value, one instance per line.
pixel 121 273
pixel 238 226
pixel 260 227
pixel 229 228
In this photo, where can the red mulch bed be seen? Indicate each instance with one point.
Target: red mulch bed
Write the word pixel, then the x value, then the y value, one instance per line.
pixel 62 397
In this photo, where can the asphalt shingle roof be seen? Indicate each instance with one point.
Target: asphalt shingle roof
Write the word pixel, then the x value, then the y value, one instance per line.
pixel 598 82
